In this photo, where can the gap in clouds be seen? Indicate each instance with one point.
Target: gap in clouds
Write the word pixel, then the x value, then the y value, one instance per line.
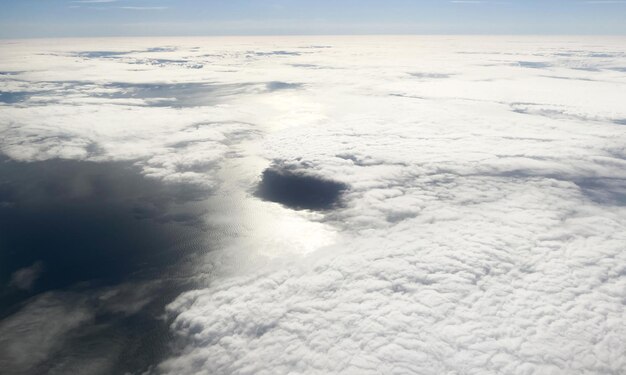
pixel 178 95
pixel 90 254
pixel 299 191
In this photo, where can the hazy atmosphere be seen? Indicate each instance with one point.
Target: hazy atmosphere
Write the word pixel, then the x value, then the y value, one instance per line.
pixel 48 18
pixel 181 193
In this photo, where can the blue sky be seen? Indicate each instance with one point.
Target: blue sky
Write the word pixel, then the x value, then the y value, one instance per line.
pixel 38 18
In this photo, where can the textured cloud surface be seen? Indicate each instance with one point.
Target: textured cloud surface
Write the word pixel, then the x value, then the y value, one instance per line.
pixel 483 228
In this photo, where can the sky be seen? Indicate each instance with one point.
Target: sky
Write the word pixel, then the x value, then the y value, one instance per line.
pixel 74 18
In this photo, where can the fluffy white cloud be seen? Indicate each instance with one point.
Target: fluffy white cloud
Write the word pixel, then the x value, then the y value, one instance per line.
pixel 484 229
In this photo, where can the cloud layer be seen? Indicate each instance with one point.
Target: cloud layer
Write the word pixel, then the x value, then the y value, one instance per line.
pixel 484 221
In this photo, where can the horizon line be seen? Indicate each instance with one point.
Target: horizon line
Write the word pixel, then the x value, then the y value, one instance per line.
pixel 309 35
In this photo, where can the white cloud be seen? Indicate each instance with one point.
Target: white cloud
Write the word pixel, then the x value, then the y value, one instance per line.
pixel 484 227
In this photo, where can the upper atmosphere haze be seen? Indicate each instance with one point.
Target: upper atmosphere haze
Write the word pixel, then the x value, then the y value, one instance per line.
pixel 71 18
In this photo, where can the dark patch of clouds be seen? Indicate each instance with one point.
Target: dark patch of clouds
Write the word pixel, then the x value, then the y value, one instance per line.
pixel 90 253
pixel 138 57
pixel 606 191
pixel 167 62
pixel 547 111
pixel 430 75
pixel 477 53
pixel 586 68
pixel 603 55
pixel 94 149
pixel 186 94
pixel 407 96
pixel 533 64
pixel 572 78
pixel 191 94
pixel 362 160
pixel 274 53
pixel 317 46
pixel 80 219
pixel 13 97
pixel 116 54
pixel 162 61
pixel 102 54
pixel 162 49
pixel 278 85
pixel 298 190
pixel 314 66
pixel 305 66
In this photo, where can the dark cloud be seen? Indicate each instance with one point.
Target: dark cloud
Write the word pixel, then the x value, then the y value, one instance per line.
pixel 13 97
pixel 191 94
pixel 93 221
pixel 277 85
pixel 276 53
pixel 586 68
pixel 533 64
pixel 102 54
pixel 298 190
pixel 86 262
pixel 572 78
pixel 116 54
pixel 188 94
pixel 605 191
pixel 430 75
pixel 162 49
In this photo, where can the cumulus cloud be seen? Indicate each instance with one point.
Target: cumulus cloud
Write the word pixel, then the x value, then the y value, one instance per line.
pixel 468 243
pixel 483 225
